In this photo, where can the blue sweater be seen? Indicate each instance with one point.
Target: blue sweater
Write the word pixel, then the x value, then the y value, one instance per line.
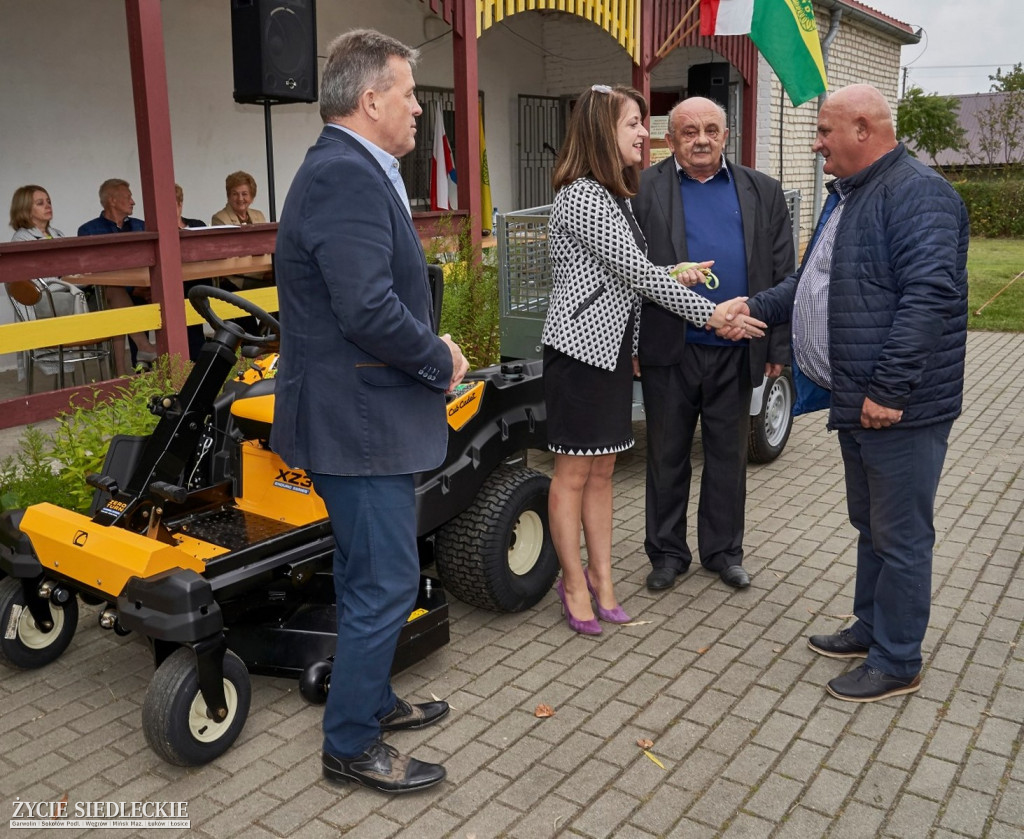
pixel 714 230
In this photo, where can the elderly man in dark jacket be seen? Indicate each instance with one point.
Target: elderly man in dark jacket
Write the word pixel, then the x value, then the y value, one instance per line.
pixel 879 321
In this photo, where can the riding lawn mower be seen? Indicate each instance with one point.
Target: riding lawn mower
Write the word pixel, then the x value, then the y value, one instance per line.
pixel 203 543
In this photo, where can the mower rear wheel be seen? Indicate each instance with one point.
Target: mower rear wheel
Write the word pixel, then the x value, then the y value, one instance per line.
pixel 174 715
pixel 498 553
pixel 22 643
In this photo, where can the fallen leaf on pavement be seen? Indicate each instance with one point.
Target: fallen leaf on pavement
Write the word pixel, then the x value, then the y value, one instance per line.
pixel 645 744
pixel 703 650
pixel 653 758
pixel 542 711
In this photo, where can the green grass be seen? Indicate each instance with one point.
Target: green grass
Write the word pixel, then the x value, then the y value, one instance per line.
pixel 991 265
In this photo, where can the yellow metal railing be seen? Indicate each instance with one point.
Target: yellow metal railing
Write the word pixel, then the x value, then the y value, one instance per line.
pixel 619 18
pixel 73 330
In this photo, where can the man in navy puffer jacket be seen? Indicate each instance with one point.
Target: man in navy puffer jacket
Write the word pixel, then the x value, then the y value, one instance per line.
pixel 879 319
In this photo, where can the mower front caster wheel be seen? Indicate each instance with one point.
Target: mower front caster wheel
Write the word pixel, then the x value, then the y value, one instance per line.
pixel 23 644
pixel 315 681
pixel 175 719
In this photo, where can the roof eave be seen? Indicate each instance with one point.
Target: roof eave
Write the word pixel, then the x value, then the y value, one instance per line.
pixel 899 31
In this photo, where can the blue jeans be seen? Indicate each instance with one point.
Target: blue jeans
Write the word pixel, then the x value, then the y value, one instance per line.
pixel 892 475
pixel 376 578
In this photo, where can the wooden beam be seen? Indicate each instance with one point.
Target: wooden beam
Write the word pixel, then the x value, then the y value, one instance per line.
pixel 156 164
pixel 23 410
pixel 75 255
pixel 467 123
pixel 200 244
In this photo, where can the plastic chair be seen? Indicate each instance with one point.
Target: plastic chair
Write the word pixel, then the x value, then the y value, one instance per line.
pixel 39 299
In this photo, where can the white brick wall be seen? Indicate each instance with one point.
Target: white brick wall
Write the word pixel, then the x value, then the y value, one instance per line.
pixel 857 54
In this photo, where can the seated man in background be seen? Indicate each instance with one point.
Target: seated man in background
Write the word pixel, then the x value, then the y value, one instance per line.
pixel 117 202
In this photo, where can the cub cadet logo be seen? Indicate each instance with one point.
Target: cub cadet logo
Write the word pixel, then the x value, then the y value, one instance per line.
pixel 81 537
pixel 294 481
pixel 803 11
pixel 465 407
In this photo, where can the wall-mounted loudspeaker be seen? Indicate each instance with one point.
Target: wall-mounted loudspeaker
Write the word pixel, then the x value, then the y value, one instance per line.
pixel 710 81
pixel 273 44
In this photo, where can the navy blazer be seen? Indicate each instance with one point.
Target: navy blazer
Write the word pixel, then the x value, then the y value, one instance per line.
pixel 768 238
pixel 360 386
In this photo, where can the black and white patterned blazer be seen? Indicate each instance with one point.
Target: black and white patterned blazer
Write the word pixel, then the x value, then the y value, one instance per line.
pixel 598 275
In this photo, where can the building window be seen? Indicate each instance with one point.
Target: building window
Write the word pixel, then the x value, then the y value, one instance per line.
pixel 415 166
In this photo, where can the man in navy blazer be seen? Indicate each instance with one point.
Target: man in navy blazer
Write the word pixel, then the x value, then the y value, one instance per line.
pixel 360 389
pixel 697 206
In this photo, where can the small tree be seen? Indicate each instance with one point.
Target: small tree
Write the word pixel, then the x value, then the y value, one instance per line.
pixel 929 123
pixel 1002 122
pixel 1013 80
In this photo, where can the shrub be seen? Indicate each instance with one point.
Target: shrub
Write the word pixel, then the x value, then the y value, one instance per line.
pixel 54 469
pixel 995 207
pixel 470 310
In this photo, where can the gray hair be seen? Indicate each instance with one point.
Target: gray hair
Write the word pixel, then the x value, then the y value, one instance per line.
pixel 109 187
pixel 356 62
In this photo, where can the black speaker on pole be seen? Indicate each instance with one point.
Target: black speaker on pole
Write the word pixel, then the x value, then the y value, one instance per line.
pixel 710 81
pixel 273 44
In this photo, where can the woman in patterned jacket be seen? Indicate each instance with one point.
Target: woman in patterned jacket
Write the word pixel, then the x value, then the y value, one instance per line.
pixel 590 336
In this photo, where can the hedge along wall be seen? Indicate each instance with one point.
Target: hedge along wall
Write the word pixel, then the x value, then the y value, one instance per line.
pixel 996 208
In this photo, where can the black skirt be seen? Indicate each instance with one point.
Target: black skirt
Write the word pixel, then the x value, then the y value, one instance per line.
pixel 590 409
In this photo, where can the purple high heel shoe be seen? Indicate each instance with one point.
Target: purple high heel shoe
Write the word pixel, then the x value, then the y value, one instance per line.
pixel 590 627
pixel 615 615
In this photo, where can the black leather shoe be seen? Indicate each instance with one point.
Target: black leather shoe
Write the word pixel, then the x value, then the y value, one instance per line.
pixel 382 768
pixel 867 684
pixel 735 576
pixel 840 645
pixel 405 715
pixel 662 578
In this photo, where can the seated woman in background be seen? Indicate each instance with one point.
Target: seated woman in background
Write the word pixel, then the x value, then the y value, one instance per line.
pixel 183 223
pixel 241 190
pixel 31 214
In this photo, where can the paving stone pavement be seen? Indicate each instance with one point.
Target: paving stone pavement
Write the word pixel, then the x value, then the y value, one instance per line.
pixel 721 681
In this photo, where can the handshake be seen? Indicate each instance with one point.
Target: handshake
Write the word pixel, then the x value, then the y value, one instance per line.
pixel 731 320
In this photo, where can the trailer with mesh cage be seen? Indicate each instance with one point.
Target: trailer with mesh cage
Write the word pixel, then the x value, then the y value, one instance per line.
pixel 524 284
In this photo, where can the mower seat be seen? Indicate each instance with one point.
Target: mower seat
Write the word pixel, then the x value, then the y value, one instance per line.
pixel 253 410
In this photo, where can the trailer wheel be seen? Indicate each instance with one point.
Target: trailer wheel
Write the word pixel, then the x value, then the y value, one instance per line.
pixel 498 553
pixel 22 643
pixel 769 430
pixel 174 715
